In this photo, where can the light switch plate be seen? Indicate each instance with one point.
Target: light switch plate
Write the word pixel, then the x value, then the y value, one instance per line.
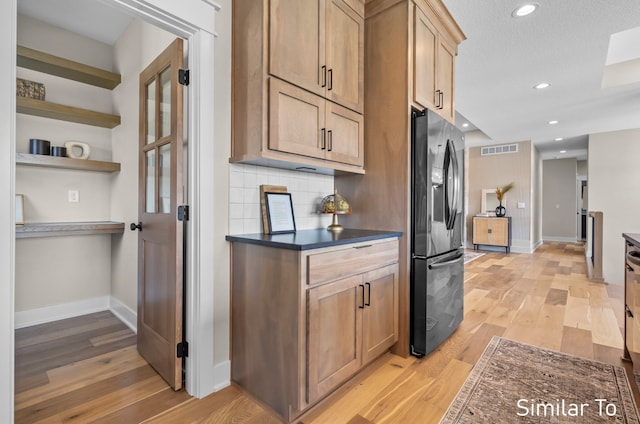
pixel 74 196
pixel 520 205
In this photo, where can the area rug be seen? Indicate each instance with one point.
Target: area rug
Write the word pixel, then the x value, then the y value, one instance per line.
pixel 515 382
pixel 469 256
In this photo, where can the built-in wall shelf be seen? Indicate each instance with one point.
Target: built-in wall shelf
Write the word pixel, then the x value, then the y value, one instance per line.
pixel 57 229
pixel 65 113
pixel 66 163
pixel 65 68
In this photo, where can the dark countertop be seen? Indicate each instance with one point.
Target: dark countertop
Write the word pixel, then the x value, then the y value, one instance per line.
pixel 633 238
pixel 312 239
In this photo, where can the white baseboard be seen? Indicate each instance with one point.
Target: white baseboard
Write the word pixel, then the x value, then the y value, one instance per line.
pixel 124 313
pixel 222 375
pixel 61 311
pixel 560 239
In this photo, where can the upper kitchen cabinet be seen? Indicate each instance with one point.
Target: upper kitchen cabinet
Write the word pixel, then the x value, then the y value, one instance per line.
pixel 318 45
pixel 298 82
pixel 434 54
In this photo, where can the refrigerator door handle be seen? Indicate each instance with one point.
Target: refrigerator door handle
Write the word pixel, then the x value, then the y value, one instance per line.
pixel 446 263
pixel 456 182
pixel 421 257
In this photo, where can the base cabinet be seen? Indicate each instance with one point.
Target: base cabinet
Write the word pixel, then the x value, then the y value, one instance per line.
pixel 632 301
pixel 304 322
pixel 351 322
pixel 492 231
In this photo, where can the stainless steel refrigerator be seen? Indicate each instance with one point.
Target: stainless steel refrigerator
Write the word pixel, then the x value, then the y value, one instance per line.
pixel 436 235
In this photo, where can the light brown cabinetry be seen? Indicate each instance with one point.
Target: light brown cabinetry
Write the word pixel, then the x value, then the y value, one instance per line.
pixel 351 322
pixel 300 328
pixel 298 84
pixel 492 231
pixel 385 191
pixel 305 124
pixel 632 299
pixel 433 65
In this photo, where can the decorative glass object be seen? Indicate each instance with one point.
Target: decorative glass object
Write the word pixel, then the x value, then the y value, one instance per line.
pixel 337 205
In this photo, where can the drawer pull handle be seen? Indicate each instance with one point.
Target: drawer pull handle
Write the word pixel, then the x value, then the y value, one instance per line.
pixel 362 304
pixel 369 296
pixel 362 247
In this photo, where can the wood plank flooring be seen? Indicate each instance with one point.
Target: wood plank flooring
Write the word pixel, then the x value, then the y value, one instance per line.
pixel 86 369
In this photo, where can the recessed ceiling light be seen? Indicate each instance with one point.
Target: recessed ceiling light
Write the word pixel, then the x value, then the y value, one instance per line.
pixel 563 151
pixel 524 10
pixel 559 139
pixel 552 122
pixel 542 85
pixel 465 125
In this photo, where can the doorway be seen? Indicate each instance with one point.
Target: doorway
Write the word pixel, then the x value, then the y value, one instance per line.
pixel 196 22
pixel 583 205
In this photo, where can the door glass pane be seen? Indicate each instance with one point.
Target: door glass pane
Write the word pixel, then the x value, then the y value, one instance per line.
pixel 165 103
pixel 150 178
pixel 151 112
pixel 165 178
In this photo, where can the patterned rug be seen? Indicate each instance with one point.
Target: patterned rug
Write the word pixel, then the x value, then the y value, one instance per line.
pixel 469 256
pixel 515 382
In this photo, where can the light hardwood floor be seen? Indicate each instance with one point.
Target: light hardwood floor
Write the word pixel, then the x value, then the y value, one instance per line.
pixel 86 369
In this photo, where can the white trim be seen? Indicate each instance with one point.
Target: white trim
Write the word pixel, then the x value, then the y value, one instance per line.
pixel 124 313
pixel 7 212
pixel 560 239
pixel 61 311
pixel 223 375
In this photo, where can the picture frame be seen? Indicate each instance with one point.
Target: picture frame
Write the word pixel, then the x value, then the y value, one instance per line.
pixel 263 206
pixel 280 215
pixel 19 209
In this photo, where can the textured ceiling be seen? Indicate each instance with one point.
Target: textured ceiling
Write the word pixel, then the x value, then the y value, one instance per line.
pixel 565 43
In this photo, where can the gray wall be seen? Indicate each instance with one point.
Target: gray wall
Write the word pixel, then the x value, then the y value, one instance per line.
pixel 489 172
pixel 559 207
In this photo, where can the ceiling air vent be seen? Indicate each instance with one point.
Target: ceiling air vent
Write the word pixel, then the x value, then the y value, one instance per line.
pixel 498 150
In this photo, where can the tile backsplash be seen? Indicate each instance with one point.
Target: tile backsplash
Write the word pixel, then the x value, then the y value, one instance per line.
pixel 307 190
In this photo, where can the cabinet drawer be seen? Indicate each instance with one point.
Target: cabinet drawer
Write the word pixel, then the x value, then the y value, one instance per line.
pixel 328 266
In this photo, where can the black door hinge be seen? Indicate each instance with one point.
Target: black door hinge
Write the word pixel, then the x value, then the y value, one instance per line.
pixel 183 76
pixel 182 350
pixel 183 213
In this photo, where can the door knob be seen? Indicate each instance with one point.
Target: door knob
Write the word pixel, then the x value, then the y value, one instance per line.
pixel 135 226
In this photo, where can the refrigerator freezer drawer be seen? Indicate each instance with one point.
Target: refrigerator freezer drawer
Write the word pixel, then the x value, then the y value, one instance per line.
pixel 437 300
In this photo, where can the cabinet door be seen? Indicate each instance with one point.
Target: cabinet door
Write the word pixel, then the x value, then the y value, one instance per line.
pixel 297 42
pixel 380 315
pixel 334 336
pixel 296 120
pixel 499 235
pixel 445 83
pixel 345 55
pixel 424 60
pixel 345 135
pixel 481 231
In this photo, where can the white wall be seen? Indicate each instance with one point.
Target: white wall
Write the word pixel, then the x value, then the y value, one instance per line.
pixel 135 49
pixel 70 269
pixel 614 189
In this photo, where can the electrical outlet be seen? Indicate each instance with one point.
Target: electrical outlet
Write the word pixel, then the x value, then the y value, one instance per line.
pixel 74 196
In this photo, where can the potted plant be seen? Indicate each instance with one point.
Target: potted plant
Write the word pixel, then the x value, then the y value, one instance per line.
pixel 500 192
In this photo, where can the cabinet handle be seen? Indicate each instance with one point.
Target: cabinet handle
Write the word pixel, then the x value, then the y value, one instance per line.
pixel 330 79
pixel 628 311
pixel 437 99
pixel 324 138
pixel 362 304
pixel 324 75
pixel 362 247
pixel 489 231
pixel 629 268
pixel 369 294
pixel 135 226
pixel 441 100
pixel 330 140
